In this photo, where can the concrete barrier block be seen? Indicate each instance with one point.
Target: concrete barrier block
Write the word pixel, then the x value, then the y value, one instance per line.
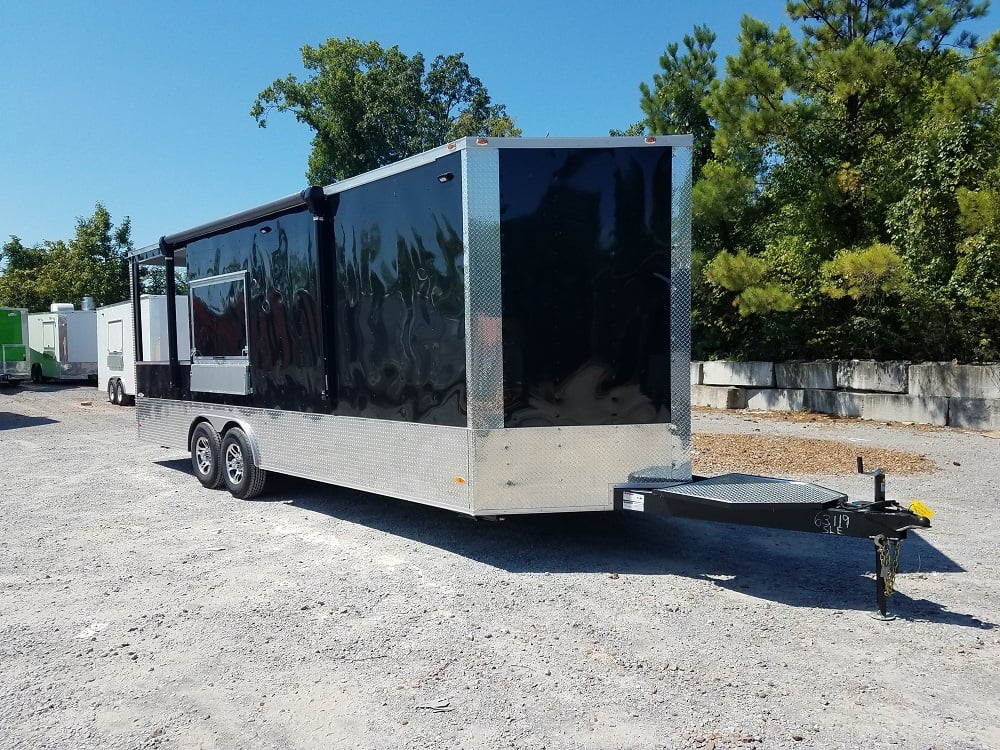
pixel 841 403
pixel 776 399
pixel 974 413
pixel 868 375
pixel 749 374
pixel 696 373
pixel 905 408
pixel 821 374
pixel 955 381
pixel 718 397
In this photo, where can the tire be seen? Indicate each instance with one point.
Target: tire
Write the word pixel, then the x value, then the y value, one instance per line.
pixel 36 374
pixel 120 398
pixel 112 392
pixel 242 476
pixel 205 456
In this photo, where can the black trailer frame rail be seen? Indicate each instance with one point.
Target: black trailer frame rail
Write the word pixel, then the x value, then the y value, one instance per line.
pixel 785 504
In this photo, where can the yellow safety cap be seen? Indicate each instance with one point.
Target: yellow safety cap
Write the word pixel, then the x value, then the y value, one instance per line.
pixel 921 510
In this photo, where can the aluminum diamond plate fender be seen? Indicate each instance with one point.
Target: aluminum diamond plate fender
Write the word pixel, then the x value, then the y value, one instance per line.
pixel 223 422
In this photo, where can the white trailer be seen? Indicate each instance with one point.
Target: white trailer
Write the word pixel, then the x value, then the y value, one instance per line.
pixel 116 342
pixel 63 343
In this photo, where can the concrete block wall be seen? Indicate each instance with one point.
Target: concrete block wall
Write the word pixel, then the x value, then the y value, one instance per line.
pixel 757 374
pixel 867 375
pixel 813 375
pixel 938 393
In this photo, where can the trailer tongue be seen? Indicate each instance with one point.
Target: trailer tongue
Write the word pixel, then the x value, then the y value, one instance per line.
pixel 784 504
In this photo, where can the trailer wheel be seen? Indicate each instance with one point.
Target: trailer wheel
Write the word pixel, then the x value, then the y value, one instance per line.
pixel 120 398
pixel 205 452
pixel 242 476
pixel 36 374
pixel 112 392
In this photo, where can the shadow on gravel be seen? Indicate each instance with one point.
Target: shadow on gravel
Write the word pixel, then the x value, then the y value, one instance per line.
pixel 797 569
pixel 12 421
pixel 87 389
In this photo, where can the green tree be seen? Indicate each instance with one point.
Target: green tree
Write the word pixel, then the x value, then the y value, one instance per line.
pixel 14 256
pixel 92 263
pixel 369 106
pixel 674 103
pixel 154 280
pixel 849 180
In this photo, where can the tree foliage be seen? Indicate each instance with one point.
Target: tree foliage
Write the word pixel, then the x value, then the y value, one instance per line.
pixel 675 102
pixel 851 178
pixel 369 106
pixel 92 263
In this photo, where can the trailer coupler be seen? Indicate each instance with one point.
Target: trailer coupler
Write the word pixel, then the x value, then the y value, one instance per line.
pixel 784 504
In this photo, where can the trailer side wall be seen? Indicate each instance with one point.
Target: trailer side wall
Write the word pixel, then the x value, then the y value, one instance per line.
pixel 399 336
pixel 275 315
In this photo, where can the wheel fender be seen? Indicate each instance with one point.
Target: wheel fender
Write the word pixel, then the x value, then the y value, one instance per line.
pixel 251 437
pixel 222 422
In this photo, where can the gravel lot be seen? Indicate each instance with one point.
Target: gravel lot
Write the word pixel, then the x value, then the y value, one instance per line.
pixel 138 609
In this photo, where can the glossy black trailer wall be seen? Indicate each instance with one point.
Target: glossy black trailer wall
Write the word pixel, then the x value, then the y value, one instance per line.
pixel 399 342
pixel 284 313
pixel 585 273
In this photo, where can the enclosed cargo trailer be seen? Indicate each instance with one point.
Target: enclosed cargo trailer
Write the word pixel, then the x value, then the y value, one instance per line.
pixel 495 326
pixel 116 342
pixel 491 327
pixel 63 343
pixel 14 356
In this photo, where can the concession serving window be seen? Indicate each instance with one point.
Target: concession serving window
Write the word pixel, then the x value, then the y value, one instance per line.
pixel 219 343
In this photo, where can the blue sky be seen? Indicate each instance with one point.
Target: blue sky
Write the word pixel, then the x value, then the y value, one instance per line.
pixel 144 106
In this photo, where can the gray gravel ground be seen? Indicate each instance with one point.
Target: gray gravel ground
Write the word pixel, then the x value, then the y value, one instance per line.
pixel 138 609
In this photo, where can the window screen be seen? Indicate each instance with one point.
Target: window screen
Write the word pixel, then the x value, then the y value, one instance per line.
pixel 116 337
pixel 219 317
pixel 48 334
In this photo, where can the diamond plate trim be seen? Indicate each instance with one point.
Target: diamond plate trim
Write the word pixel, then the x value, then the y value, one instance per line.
pixel 680 302
pixel 484 342
pixel 745 489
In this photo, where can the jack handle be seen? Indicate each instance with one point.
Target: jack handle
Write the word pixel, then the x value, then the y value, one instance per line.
pixel 878 475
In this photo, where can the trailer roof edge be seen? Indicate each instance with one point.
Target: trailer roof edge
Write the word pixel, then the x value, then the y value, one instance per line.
pixel 472 142
pixel 178 239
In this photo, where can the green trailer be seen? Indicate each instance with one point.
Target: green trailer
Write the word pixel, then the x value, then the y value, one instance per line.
pixel 14 356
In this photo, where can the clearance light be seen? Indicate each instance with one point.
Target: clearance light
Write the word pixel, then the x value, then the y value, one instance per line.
pixel 451 146
pixel 482 141
pixel 650 139
pixel 459 480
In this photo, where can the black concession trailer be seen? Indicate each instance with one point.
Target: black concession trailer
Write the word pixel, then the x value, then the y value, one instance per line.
pixel 495 326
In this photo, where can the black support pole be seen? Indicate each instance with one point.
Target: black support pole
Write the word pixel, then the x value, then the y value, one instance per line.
pixel 135 287
pixel 171 291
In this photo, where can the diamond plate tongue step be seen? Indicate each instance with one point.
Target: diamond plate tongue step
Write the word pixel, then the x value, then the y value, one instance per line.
pixel 746 489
